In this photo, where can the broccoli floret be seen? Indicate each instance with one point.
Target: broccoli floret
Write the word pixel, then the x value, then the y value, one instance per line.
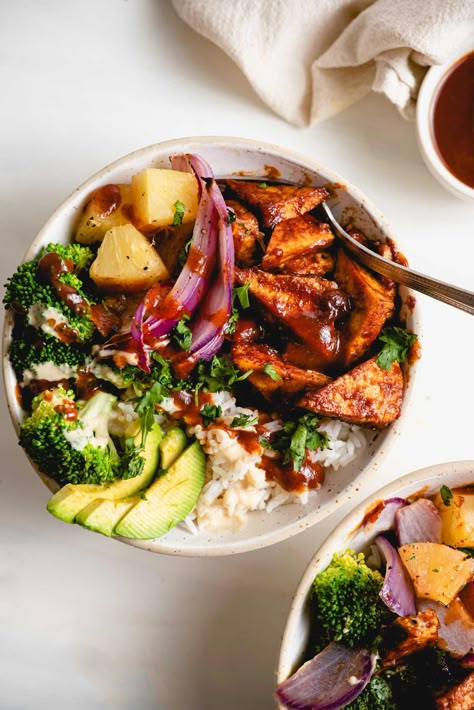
pixel 68 441
pixel 28 348
pixel 346 605
pixel 377 695
pixel 81 256
pixel 23 291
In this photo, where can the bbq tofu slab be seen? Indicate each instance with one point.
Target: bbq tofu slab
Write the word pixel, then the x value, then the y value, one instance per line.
pixel 372 304
pixel 317 263
pixel 308 305
pixel 276 203
pixel 461 697
pixel 295 237
pixel 246 233
pixel 365 395
pixel 287 379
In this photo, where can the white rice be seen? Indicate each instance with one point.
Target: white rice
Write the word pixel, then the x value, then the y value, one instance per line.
pixel 235 484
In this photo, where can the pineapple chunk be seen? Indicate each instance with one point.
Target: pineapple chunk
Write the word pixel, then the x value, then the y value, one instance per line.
pixel 108 207
pixel 126 262
pixel 155 193
pixel 437 571
pixel 457 518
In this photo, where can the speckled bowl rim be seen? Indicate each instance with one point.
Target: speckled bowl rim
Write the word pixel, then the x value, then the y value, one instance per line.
pixel 426 480
pixel 301 523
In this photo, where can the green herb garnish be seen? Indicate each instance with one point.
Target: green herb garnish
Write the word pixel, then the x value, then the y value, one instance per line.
pixel 297 437
pixel 271 372
pixel 219 374
pixel 243 420
pixel 183 255
pixel 180 209
pixel 209 413
pixel 446 495
pixel 263 185
pixel 397 343
pixel 240 294
pixel 230 216
pixel 181 334
pixel 133 462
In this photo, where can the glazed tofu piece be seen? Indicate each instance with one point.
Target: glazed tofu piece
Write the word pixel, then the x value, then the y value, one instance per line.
pixel 307 305
pixel 409 634
pixel 316 263
pixel 365 395
pixel 461 697
pixel 295 237
pixel 271 374
pixel 372 304
pixel 246 233
pixel 276 203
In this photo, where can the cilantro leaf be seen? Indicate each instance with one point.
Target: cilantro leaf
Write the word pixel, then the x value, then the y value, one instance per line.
pixel 209 413
pixel 271 372
pixel 180 209
pixel 262 185
pixel 219 374
pixel 183 255
pixel 397 343
pixel 446 495
pixel 296 438
pixel 241 294
pixel 243 420
pixel 230 216
pixel 133 462
pixel 181 334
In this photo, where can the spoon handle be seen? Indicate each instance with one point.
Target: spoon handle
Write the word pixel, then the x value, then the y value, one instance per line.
pixel 452 295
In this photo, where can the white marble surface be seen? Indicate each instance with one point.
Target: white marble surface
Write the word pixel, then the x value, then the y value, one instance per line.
pixel 88 622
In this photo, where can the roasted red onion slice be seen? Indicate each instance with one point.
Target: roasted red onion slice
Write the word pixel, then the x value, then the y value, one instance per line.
pixel 385 520
pixel 329 681
pixel 418 522
pixel 456 630
pixel 397 590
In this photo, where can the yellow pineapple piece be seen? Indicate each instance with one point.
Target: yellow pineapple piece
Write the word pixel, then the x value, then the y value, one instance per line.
pixel 437 571
pixel 108 207
pixel 126 262
pixel 457 518
pixel 155 194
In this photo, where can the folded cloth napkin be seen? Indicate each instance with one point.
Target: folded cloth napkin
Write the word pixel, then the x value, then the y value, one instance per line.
pixel 309 59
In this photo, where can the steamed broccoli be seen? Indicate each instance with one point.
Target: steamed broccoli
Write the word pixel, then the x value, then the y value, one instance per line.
pixel 377 695
pixel 28 348
pixel 70 441
pixel 40 302
pixel 345 602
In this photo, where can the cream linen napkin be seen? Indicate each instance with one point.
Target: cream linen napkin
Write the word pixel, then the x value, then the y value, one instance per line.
pixel 309 59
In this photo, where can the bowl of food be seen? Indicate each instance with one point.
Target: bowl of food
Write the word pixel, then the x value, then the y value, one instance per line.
pixel 195 365
pixel 384 614
pixel 444 122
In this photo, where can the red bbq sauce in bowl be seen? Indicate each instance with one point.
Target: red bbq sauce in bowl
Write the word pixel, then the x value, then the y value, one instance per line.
pixel 453 119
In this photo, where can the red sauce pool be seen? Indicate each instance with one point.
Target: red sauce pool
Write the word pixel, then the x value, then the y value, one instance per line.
pixel 453 120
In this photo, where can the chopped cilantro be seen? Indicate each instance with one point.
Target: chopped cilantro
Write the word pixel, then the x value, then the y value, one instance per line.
pixel 183 255
pixel 263 185
pixel 180 209
pixel 243 420
pixel 133 462
pixel 230 215
pixel 397 343
pixel 297 437
pixel 241 295
pixel 219 374
pixel 271 372
pixel 209 413
pixel 181 334
pixel 446 495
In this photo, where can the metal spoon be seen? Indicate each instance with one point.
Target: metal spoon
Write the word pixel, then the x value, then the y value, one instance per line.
pixel 454 296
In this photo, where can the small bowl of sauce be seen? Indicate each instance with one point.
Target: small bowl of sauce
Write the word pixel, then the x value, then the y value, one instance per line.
pixel 445 122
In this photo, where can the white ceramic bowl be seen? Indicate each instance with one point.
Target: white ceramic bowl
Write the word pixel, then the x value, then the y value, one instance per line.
pixel 349 534
pixel 424 119
pixel 226 156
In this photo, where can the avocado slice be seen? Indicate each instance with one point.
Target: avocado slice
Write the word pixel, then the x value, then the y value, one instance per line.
pixel 103 515
pixel 169 499
pixel 71 499
pixel 172 444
